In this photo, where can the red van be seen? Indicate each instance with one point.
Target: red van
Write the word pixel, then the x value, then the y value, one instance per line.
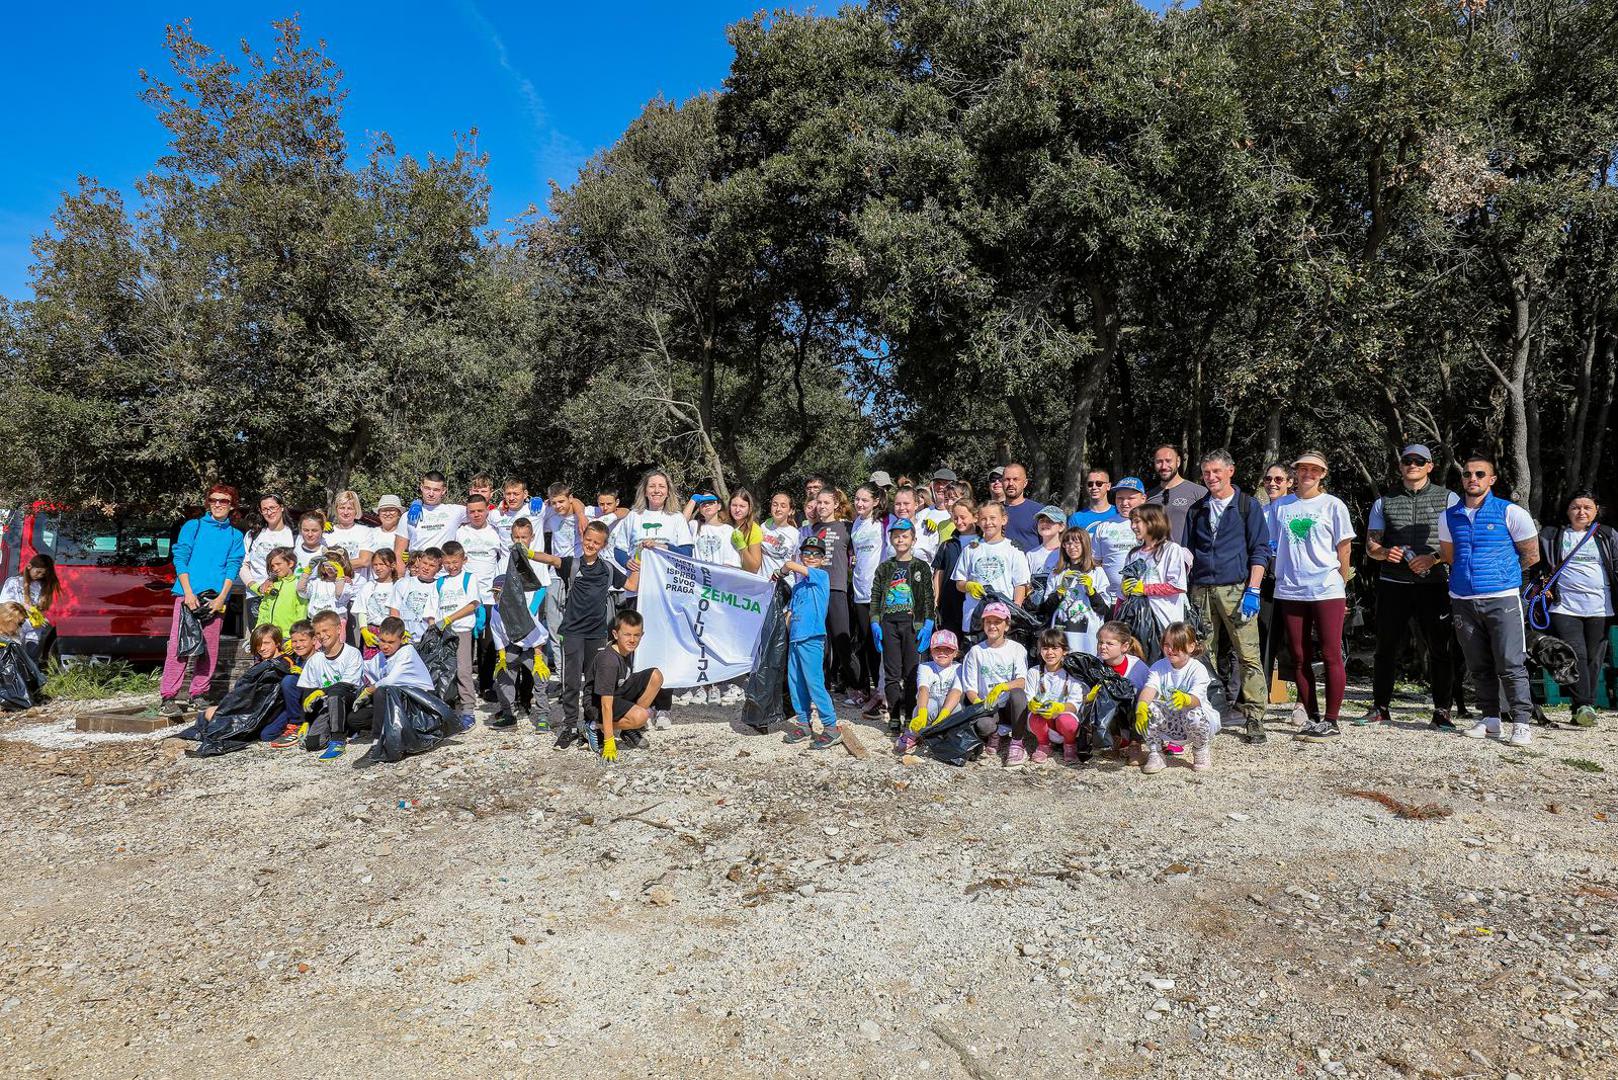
pixel 116 572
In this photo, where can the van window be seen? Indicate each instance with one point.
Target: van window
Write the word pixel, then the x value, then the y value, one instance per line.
pixel 90 539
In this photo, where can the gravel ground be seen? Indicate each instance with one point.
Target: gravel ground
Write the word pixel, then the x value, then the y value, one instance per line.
pixel 721 905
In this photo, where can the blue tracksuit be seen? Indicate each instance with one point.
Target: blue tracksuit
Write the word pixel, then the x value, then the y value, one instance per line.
pixel 806 652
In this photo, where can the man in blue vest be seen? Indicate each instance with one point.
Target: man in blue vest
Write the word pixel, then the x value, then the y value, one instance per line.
pixel 1402 534
pixel 1487 543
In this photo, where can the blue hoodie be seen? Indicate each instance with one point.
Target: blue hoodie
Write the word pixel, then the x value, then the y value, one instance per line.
pixel 209 550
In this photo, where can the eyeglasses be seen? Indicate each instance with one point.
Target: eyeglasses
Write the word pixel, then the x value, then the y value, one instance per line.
pixel 1412 460
pixel 1476 474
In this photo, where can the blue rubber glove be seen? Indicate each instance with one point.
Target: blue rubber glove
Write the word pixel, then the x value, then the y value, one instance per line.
pixel 876 635
pixel 536 503
pixel 924 636
pixel 1250 601
pixel 414 514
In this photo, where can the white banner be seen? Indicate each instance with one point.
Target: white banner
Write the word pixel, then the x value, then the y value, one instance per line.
pixel 702 621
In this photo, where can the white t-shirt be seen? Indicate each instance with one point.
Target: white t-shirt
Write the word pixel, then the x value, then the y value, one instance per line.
pixel 929 526
pixel 1520 527
pixel 663 527
pixel 1075 615
pixel 1216 510
pixel 713 545
pixel 1000 566
pixel 564 530
pixel 1041 561
pixel 306 556
pixel 502 519
pixel 254 568
pixel 1582 589
pixel 986 667
pixel 779 545
pixel 937 681
pixel 868 540
pixel 485 552
pixel 1193 679
pixel 1055 685
pixel 15 591
pixel 355 540
pixel 371 602
pixel 455 591
pixel 385 539
pixel 1307 534
pixel 324 595
pixel 436 525
pixel 320 670
pixel 416 601
pixel 1170 564
pixel 1112 542
pixel 403 668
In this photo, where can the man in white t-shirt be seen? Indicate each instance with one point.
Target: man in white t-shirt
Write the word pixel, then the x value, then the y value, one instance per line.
pixel 1487 543
pixel 433 521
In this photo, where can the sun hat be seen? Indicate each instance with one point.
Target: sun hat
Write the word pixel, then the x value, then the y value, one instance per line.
pixel 389 502
pixel 1312 458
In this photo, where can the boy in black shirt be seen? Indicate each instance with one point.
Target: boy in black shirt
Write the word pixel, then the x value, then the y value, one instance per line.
pixel 621 699
pixel 590 581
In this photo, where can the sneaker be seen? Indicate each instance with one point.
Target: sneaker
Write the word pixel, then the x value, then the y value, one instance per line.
pixel 592 739
pixel 874 706
pixel 796 731
pixel 502 719
pixel 1441 721
pixel 1040 756
pixel 169 707
pixel 684 700
pixel 895 725
pixel 1377 714
pixel 906 744
pixel 1154 763
pixel 1070 753
pixel 1255 731
pixel 991 746
pixel 1173 749
pixel 1487 728
pixel 1016 754
pixel 466 722
pixel 826 739
pixel 182 703
pixel 566 738
pixel 856 699
pixel 288 738
pixel 1521 735
pixel 734 695
pixel 1202 758
pixel 1318 732
pixel 333 751
pixel 1584 716
pixel 542 721
pixel 662 720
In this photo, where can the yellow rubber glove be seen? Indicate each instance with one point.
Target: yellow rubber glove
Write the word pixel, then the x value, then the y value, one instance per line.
pixel 609 750
pixel 930 525
pixel 1133 587
pixel 1089 586
pixel 996 692
pixel 340 574
pixel 1141 718
pixel 499 661
pixel 920 720
pixel 737 540
pixel 974 589
pixel 329 527
pixel 445 622
pixel 1180 699
pixel 542 670
pixel 1050 710
pixel 312 698
pixel 1095 692
pixel 367 636
pixel 36 617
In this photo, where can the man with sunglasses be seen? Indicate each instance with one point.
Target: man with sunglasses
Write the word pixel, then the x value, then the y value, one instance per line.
pixel 1097 506
pixel 1487 543
pixel 1402 534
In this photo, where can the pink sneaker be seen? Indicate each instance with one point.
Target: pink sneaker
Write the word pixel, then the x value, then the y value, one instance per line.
pixel 906 743
pixel 1042 754
pixel 1016 755
pixel 992 745
pixel 1173 748
pixel 1070 753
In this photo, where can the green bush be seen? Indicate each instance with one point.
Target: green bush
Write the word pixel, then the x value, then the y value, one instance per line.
pixel 96 682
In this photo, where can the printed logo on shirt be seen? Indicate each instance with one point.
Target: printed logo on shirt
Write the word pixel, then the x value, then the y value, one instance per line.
pixel 1299 528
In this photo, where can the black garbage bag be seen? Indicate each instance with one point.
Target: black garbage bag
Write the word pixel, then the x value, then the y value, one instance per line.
pixel 954 740
pixel 408 721
pixel 330 717
pixel 20 678
pixel 1557 659
pixel 192 644
pixel 520 580
pixel 1025 624
pixel 1096 716
pixel 763 705
pixel 244 711
pixel 437 648
pixel 1135 612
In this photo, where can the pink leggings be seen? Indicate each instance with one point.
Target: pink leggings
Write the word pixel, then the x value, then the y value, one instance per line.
pixel 1325 618
pixel 174 666
pixel 1065 724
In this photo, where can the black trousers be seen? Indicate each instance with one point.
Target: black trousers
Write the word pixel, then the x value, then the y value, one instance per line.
pixel 330 716
pixel 864 644
pixel 1587 636
pixel 899 662
pixel 842 665
pixel 578 657
pixel 628 696
pixel 1426 603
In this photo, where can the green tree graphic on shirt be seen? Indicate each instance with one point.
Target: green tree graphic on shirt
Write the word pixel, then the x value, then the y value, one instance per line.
pixel 1301 527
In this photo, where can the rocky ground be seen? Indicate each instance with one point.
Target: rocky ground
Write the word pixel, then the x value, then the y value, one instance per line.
pixel 721 905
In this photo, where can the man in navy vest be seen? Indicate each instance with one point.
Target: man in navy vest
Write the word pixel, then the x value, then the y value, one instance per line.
pixel 1487 543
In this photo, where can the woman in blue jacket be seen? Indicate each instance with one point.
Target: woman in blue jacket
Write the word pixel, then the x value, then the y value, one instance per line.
pixel 207 557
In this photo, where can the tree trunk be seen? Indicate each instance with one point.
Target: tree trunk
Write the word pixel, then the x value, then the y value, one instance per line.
pixel 1084 377
pixel 1598 435
pixel 1513 380
pixel 1272 438
pixel 1034 458
pixel 358 441
pixel 1582 385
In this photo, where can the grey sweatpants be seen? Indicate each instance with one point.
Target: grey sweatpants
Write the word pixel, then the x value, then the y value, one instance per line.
pixel 1495 645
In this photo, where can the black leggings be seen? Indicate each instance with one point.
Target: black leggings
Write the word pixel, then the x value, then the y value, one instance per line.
pixel 899 663
pixel 1587 637
pixel 842 660
pixel 865 655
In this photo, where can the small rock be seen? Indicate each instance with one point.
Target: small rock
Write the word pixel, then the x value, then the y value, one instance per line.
pixel 806 889
pixel 1162 986
pixel 870 1030
pixel 660 896
pixel 614 894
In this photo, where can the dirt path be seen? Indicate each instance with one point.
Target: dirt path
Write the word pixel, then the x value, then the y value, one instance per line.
pixel 720 905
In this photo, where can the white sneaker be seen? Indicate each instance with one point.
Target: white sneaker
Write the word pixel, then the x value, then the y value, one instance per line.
pixel 1487 728
pixel 734 695
pixel 1300 716
pixel 661 720
pixel 1521 735
pixel 685 699
pixel 1154 763
pixel 1202 758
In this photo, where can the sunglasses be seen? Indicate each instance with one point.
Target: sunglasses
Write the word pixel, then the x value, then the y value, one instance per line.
pixel 1095 483
pixel 1412 460
pixel 219 502
pixel 1275 479
pixel 1475 474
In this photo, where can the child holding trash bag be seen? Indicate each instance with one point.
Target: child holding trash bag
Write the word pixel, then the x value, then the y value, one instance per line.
pixel 994 674
pixel 806 647
pixel 36 589
pixel 518 630
pixel 1173 708
pixel 399 702
pixel 330 681
pixel 621 699
pixel 263 645
pixel 20 680
pixel 1079 593
pixel 934 681
pixel 1156 573
pixel 1123 655
pixel 235 723
pixel 1055 698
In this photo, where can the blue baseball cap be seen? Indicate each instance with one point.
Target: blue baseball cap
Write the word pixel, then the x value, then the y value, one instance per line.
pixel 901 525
pixel 1132 483
pixel 704 498
pixel 1052 513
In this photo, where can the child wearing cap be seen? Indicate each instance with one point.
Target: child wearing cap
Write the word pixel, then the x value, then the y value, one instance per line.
pixel 901 619
pixel 806 648
pixel 1042 560
pixel 994 675
pixel 934 681
pixel 1113 538
pixel 714 537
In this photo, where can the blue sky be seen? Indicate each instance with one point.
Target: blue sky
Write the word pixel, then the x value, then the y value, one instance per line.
pixel 545 84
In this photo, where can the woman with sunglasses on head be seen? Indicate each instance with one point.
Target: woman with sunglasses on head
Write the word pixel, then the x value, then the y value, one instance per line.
pixel 208 555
